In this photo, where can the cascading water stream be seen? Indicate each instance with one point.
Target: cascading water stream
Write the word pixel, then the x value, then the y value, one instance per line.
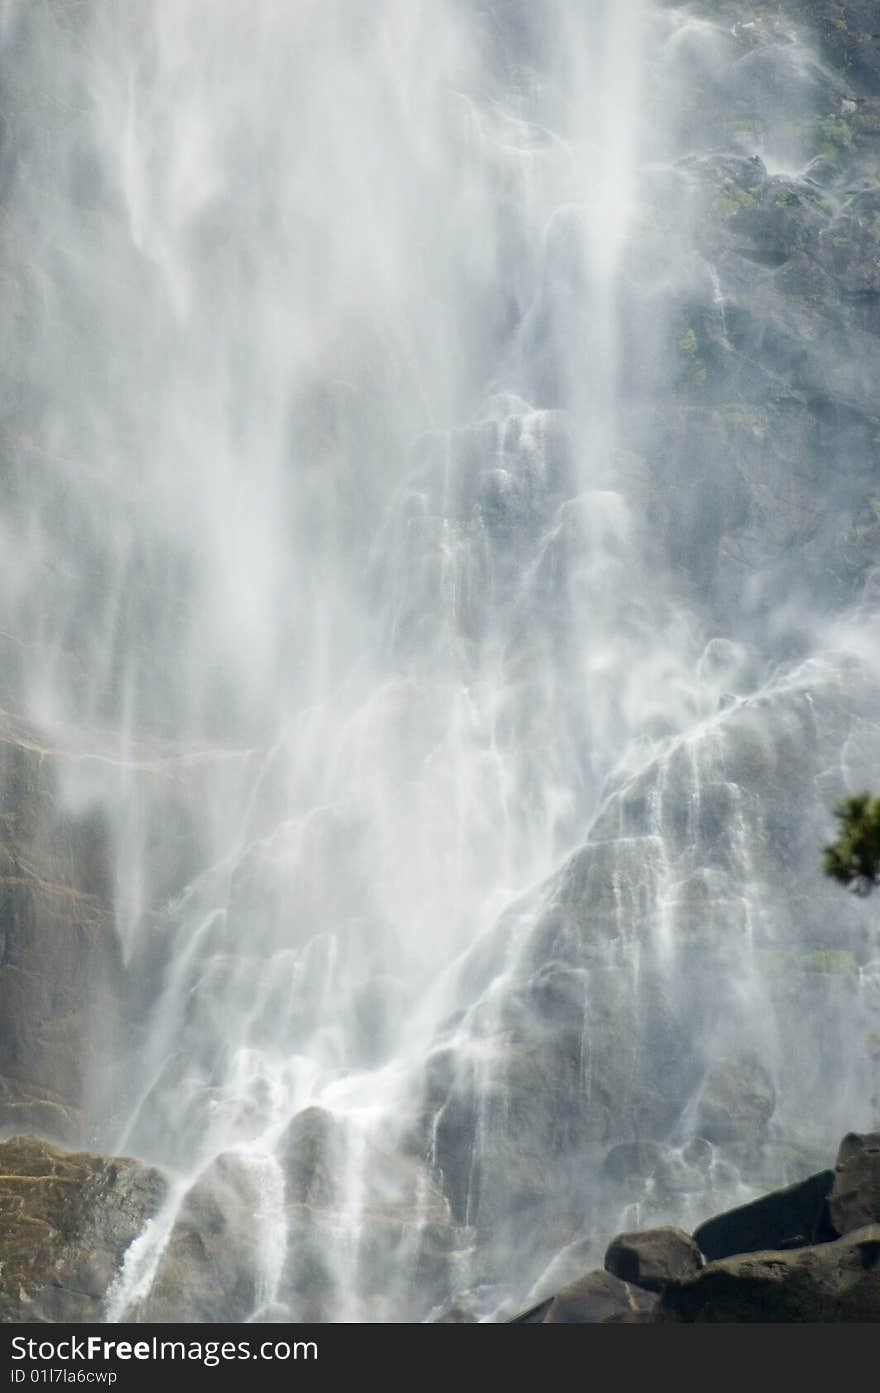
pixel 446 804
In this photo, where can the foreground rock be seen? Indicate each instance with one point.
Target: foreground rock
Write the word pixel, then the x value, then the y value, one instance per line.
pixel 855 1195
pixel 789 1218
pixel 654 1258
pixel 66 1220
pixel 596 1298
pixel 807 1253
pixel 637 1267
pixel 828 1282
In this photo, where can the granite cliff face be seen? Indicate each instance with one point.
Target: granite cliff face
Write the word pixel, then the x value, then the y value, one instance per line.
pixel 682 1000
pixel 620 597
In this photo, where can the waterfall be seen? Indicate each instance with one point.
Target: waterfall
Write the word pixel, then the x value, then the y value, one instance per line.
pixel 427 577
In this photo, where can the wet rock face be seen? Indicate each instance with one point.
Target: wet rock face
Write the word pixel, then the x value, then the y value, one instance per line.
pixel 209 1270
pixel 772 328
pixel 67 1220
pixel 849 38
pixel 58 953
pixel 320 1156
pixel 363 1218
pixel 736 1102
pixel 312 1150
pixel 774 358
pixel 331 1219
pixel 756 250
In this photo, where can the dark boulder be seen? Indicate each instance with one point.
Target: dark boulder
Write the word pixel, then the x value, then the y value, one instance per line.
pixel 789 1218
pixel 831 1282
pixel 535 1315
pixel 855 1195
pixel 596 1297
pixel 631 1318
pixel 653 1258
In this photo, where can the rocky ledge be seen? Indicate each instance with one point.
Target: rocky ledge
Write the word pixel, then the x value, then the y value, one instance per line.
pixel 66 1220
pixel 808 1253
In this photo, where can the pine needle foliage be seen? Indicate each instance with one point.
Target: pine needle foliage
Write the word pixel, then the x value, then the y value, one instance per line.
pixel 854 858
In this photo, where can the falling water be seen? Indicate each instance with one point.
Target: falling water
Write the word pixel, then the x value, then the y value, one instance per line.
pixel 449 812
